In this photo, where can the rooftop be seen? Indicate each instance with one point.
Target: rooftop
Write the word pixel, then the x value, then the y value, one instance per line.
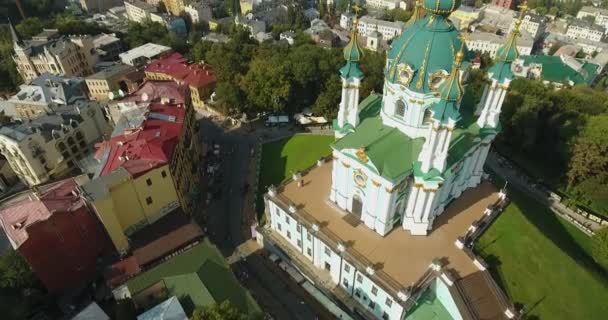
pixel 379 22
pixel 104 39
pixel 27 208
pixel 115 70
pixel 148 146
pixel 48 89
pixel 388 252
pixel 564 68
pixel 148 50
pixel 176 66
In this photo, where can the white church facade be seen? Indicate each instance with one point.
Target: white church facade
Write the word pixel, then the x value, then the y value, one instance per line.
pixel 400 158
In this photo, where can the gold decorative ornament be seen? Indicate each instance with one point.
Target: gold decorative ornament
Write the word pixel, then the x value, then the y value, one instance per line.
pixel 436 78
pixel 376 183
pixel 361 155
pixel 389 190
pixel 360 178
pixel 346 165
pixel 405 74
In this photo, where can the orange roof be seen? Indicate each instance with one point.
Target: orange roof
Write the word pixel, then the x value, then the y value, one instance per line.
pixel 175 65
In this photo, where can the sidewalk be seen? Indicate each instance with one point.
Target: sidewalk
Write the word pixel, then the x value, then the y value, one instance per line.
pixel 521 182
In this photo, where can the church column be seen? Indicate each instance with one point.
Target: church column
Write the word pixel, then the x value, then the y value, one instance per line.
pixel 411 201
pixel 334 180
pixel 344 190
pixel 428 205
pixel 420 202
pixel 481 103
pixel 495 113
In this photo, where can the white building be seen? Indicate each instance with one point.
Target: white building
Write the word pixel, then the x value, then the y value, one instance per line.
pixel 370 224
pixel 490 43
pixel 49 146
pixel 288 36
pixel 143 54
pixel 139 11
pixel 579 29
pixel 533 24
pixel 386 4
pixel 367 25
pixel 600 15
pixel 588 46
pixel 346 20
pixel 199 11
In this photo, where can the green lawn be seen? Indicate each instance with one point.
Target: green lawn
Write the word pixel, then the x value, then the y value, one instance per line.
pixel 543 263
pixel 280 159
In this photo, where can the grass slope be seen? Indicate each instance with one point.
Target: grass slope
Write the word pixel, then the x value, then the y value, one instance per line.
pixel 283 157
pixel 544 263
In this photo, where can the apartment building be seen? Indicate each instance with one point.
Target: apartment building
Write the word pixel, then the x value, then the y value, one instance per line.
pixel 198 77
pixel 108 46
pixel 45 93
pixel 507 4
pixel 490 43
pixel 367 25
pixel 600 15
pixel 139 11
pixel 119 78
pixel 48 52
pixel 580 29
pixel 47 147
pixel 386 4
pixel 533 24
pixel 143 54
pixel 97 6
pixel 174 7
pixel 56 233
pixel 199 11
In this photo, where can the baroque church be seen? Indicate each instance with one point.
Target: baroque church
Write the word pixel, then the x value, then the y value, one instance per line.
pixel 402 156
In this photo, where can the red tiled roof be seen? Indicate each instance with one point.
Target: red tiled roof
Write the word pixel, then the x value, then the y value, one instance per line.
pixel 30 207
pixel 147 147
pixel 157 90
pixel 122 271
pixel 175 65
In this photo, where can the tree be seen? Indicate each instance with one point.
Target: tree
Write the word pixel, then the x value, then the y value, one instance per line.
pixel 322 8
pixel 125 310
pixel 599 248
pixel 223 311
pixel 4 119
pixel 267 83
pixel 553 11
pixel 590 152
pixel 328 101
pixel 29 27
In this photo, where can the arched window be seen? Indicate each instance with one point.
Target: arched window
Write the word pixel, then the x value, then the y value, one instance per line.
pixel 427 116
pixel 400 109
pixel 71 141
pixel 74 124
pixel 79 135
pixel 61 146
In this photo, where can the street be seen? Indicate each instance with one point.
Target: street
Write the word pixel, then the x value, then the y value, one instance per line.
pixel 274 292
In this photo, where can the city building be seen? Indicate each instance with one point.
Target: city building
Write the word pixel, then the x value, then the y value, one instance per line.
pixel 346 20
pixel 386 4
pixel 118 77
pixel 495 19
pixel 97 6
pixel 388 29
pixel 490 43
pixel 48 52
pixel 600 15
pixel 92 311
pixel 174 7
pixel 464 16
pixel 588 46
pixel 254 25
pixel 199 11
pixel 133 187
pixel 47 147
pixel 558 71
pixel 143 54
pixel 53 229
pixel 533 24
pixel 370 224
pixel 288 36
pixel 168 309
pixel 139 11
pixel 45 93
pixel 507 4
pixel 108 46
pixel 374 41
pixel 199 275
pixel 198 77
pixel 579 29
pixel 172 23
pixel 8 178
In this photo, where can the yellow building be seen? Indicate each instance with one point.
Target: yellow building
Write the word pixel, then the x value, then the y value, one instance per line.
pixel 125 203
pixel 174 7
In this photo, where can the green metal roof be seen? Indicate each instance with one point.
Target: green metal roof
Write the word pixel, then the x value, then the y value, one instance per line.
pixel 189 285
pixel 351 70
pixel 388 149
pixel 555 70
pixel 501 71
pixel 205 262
pixel 441 7
pixel 465 132
pixel 428 46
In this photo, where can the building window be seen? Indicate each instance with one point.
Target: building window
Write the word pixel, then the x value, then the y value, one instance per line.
pixel 385 316
pixel 359 278
pixel 299 228
pixel 327 251
pixel 309 252
pixel 327 266
pixel 389 302
pixel 299 244
pixel 149 181
pixel 358 293
pixel 375 290
pixel 309 237
pixel 149 200
pixel 427 116
pixel 70 163
pixel 372 305
pixel 279 226
pixel 163 174
pixel 345 283
pixel 286 219
pixel 400 108
pixel 289 235
pixel 82 144
pixel 346 268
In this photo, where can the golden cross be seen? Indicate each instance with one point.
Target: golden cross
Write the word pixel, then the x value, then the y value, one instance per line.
pixel 357 9
pixel 524 6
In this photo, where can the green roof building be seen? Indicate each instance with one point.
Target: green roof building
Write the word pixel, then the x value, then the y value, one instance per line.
pixel 198 277
pixel 559 71
pixel 403 155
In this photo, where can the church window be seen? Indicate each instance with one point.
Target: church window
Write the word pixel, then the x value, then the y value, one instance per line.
pixel 400 109
pixel 286 219
pixel 346 268
pixel 299 228
pixel 279 226
pixel 288 235
pixel 327 251
pixel 309 237
pixel 359 278
pixel 345 282
pixel 427 116
pixel 309 252
pixel 299 244
pixel 389 302
pixel 374 290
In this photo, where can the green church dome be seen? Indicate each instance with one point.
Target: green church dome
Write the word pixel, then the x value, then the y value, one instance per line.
pixel 442 7
pixel 422 56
